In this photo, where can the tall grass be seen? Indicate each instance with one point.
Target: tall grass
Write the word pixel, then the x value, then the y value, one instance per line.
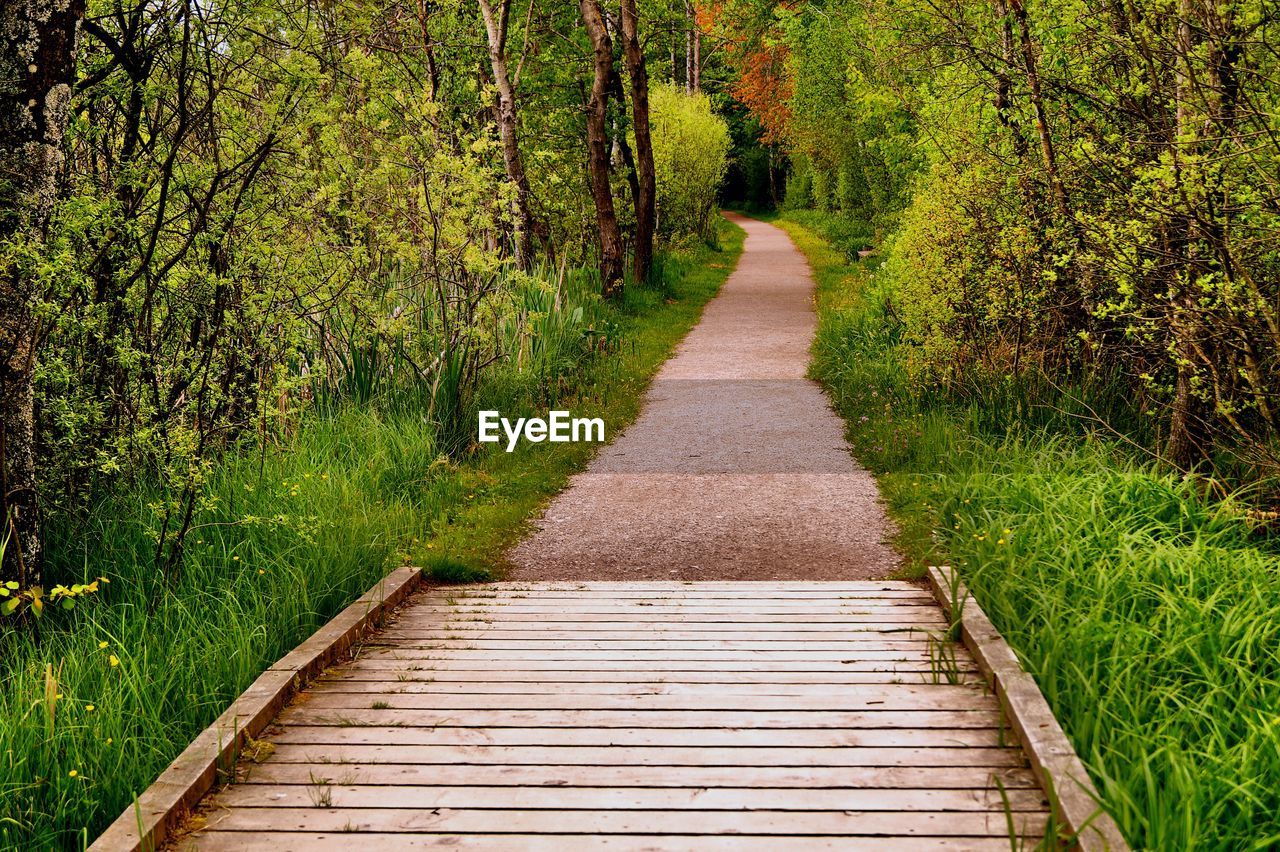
pixel 99 701
pixel 1148 613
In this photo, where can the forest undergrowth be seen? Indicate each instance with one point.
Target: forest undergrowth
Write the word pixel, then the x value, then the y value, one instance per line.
pixel 1145 603
pixel 97 702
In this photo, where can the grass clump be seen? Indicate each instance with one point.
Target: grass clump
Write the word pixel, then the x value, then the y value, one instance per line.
pixel 95 705
pixel 1148 612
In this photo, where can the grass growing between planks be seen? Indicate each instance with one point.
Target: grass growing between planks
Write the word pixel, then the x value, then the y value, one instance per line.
pixel 97 705
pixel 1148 614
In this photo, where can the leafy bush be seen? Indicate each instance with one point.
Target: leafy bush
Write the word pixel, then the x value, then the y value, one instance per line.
pixel 691 156
pixel 1148 612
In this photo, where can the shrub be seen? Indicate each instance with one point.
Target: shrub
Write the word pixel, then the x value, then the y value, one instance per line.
pixel 691 156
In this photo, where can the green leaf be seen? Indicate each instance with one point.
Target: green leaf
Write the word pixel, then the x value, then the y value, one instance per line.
pixel 68 603
pixel 9 606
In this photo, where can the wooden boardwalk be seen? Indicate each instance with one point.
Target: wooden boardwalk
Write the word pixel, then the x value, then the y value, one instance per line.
pixel 628 716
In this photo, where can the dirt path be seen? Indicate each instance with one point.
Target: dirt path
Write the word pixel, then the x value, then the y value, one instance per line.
pixel 737 468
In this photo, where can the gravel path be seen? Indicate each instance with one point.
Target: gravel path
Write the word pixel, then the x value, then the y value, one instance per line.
pixel 737 468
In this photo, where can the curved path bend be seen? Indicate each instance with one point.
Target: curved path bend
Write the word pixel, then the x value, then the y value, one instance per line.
pixel 737 468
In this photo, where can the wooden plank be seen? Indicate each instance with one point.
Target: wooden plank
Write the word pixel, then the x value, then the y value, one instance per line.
pixel 757 628
pixel 728 610
pixel 278 841
pixel 530 630
pixel 630 798
pixel 815 777
pixel 917 596
pixel 960 699
pixel 649 737
pixel 641 756
pixel 657 654
pixel 469 644
pixel 448 821
pixel 967 674
pixel 571 603
pixel 304 714
pixel 620 585
pixel 893 694
pixel 446 615
pixel 391 661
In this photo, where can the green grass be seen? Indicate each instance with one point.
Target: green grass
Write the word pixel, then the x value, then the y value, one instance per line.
pixel 286 540
pixel 1148 614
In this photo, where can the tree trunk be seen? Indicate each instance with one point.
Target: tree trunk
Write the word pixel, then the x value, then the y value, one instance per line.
pixel 598 149
pixel 1037 103
pixel 688 48
pixel 646 197
pixel 37 70
pixel 495 26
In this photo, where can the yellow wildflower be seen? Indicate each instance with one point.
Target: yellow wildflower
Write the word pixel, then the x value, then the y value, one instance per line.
pixel 113 660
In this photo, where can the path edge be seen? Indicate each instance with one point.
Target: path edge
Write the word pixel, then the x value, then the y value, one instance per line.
pixel 160 808
pixel 1054 761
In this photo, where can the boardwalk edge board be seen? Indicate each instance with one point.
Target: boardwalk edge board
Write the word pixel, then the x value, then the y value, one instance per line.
pixel 162 806
pixel 1054 761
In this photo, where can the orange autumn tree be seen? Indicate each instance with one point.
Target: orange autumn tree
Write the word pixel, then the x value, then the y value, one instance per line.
pixel 755 49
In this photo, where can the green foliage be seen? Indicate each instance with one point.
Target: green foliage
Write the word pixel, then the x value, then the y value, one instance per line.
pixel 690 155
pixel 1081 194
pixel 99 703
pixel 1147 608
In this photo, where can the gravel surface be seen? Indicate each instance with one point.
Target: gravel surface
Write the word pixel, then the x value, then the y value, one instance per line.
pixel 737 468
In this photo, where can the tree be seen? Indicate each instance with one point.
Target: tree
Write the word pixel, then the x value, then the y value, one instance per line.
pixel 37 67
pixel 495 25
pixel 646 204
pixel 597 108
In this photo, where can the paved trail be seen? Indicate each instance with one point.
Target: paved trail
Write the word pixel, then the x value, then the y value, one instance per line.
pixel 653 712
pixel 737 468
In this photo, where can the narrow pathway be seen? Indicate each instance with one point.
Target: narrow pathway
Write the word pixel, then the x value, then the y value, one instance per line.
pixel 737 682
pixel 737 468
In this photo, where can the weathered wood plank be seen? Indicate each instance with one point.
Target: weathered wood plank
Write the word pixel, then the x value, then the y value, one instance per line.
pixel 649 737
pixel 479 644
pixel 453 615
pixel 815 777
pixel 728 611
pixel 763 629
pixel 964 699
pixel 276 841
pixel 390 661
pixel 641 756
pixel 315 794
pixel 400 674
pixel 449 821
pixel 606 604
pixel 657 654
pixel 303 714
pixel 656 632
pixel 889 694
